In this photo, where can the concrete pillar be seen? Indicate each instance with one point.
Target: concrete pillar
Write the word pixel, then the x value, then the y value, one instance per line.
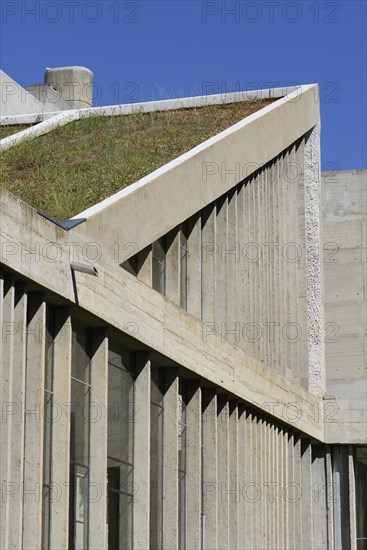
pixel 284 489
pixel 170 461
pixel 261 264
pixel 34 413
pixel 221 210
pixel 240 265
pixel 330 491
pixel 173 266
pixel 74 84
pixel 16 450
pixel 277 481
pixel 242 454
pixel 234 495
pixel 253 284
pixel 142 453
pixel 263 481
pixel 290 493
pixel 244 264
pixel 352 499
pixel 98 441
pixel 281 481
pixel 61 430
pixel 223 471
pixel 273 525
pixel 194 266
pixel 210 471
pixel 193 466
pixel 6 361
pixel 280 306
pixel 231 257
pixel 319 496
pixel 298 483
pixel 306 494
pixel 249 481
pixel 144 260
pixel 209 256
pixel 257 489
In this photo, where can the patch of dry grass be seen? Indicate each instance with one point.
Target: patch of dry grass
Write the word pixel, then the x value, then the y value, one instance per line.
pixel 78 165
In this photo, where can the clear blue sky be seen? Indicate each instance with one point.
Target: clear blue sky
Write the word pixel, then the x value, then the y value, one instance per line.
pixel 144 50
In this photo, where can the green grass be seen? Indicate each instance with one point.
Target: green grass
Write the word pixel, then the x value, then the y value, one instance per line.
pixel 6 131
pixel 78 165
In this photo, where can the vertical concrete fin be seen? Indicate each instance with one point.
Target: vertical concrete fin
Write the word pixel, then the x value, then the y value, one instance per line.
pixel 61 430
pixel 142 452
pixel 234 495
pixel 194 266
pixel 16 449
pixel 98 441
pixel 209 253
pixel 170 460
pixel 223 472
pixel 193 466
pixel 6 363
pixel 34 411
pixel 210 473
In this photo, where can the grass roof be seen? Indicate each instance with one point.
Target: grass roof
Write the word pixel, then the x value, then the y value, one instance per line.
pixel 76 166
pixel 6 131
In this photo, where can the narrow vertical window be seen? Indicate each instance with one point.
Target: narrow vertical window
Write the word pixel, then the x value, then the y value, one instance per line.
pixel 159 266
pixel 47 427
pixel 79 438
pixel 184 256
pixel 120 449
pixel 156 458
pixel 182 439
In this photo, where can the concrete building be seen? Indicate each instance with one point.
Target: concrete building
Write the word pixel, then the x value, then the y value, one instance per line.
pixel 200 382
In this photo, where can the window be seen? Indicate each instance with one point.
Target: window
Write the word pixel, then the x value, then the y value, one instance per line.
pixel 159 266
pixel 79 437
pixel 47 427
pixel 120 471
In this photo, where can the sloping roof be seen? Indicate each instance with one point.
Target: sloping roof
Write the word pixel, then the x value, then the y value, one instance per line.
pixel 15 100
pixel 76 166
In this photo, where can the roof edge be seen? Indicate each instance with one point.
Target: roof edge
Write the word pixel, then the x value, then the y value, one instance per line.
pixel 160 105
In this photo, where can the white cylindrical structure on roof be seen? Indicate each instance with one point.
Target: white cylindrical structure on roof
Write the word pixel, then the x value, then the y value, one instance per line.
pixel 74 84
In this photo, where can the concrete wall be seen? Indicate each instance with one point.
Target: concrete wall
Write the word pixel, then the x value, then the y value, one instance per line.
pixel 246 480
pixel 344 211
pixel 246 255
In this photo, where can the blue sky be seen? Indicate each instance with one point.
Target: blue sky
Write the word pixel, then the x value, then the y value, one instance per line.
pixel 140 51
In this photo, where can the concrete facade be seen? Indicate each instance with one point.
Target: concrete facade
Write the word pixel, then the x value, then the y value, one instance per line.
pixel 344 213
pixel 177 395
